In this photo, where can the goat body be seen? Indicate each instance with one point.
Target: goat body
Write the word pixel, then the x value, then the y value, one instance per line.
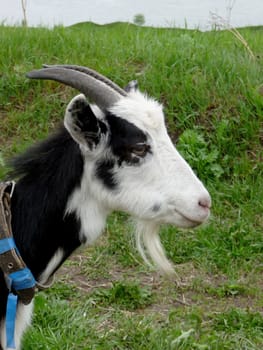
pixel 119 158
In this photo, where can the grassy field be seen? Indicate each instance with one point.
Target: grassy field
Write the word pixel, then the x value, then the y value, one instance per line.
pixel 212 90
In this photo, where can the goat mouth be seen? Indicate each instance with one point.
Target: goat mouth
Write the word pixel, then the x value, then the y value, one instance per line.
pixel 192 222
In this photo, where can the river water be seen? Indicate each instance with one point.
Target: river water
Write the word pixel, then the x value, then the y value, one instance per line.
pixel 176 13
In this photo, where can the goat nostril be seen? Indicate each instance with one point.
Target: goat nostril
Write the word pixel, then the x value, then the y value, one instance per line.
pixel 205 202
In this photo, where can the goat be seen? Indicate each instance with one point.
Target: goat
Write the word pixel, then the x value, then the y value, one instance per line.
pixel 114 154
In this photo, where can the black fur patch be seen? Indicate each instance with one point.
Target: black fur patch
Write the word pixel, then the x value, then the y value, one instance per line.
pixel 87 122
pixel 124 135
pixel 105 173
pixel 48 173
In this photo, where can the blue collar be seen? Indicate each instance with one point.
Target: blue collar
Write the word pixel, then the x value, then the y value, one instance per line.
pixel 19 279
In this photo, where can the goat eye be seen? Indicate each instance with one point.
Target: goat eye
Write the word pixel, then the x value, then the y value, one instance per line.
pixel 140 149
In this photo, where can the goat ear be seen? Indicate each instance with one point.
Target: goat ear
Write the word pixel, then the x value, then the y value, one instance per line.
pixel 82 124
pixel 132 86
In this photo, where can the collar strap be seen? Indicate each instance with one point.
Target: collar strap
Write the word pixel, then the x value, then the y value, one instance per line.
pixel 19 279
pixel 18 276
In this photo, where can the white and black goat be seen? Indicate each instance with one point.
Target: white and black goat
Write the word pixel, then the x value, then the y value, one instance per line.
pixel 112 155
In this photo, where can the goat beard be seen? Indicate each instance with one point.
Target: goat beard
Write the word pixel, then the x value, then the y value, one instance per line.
pixel 149 245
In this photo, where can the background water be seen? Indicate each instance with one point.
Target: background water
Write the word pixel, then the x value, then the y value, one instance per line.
pixel 193 13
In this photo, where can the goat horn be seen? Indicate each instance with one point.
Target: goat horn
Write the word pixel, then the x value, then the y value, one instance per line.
pixel 92 84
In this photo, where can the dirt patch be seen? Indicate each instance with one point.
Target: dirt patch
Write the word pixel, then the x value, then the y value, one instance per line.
pixel 191 288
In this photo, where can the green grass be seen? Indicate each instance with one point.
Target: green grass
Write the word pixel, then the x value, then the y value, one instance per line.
pixel 212 90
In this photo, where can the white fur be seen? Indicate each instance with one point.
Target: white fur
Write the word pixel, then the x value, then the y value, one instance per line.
pixel 51 267
pixel 162 180
pixel 91 211
pixel 147 235
pixel 137 108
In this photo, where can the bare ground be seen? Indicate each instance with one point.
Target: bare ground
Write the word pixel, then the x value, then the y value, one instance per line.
pixel 192 287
